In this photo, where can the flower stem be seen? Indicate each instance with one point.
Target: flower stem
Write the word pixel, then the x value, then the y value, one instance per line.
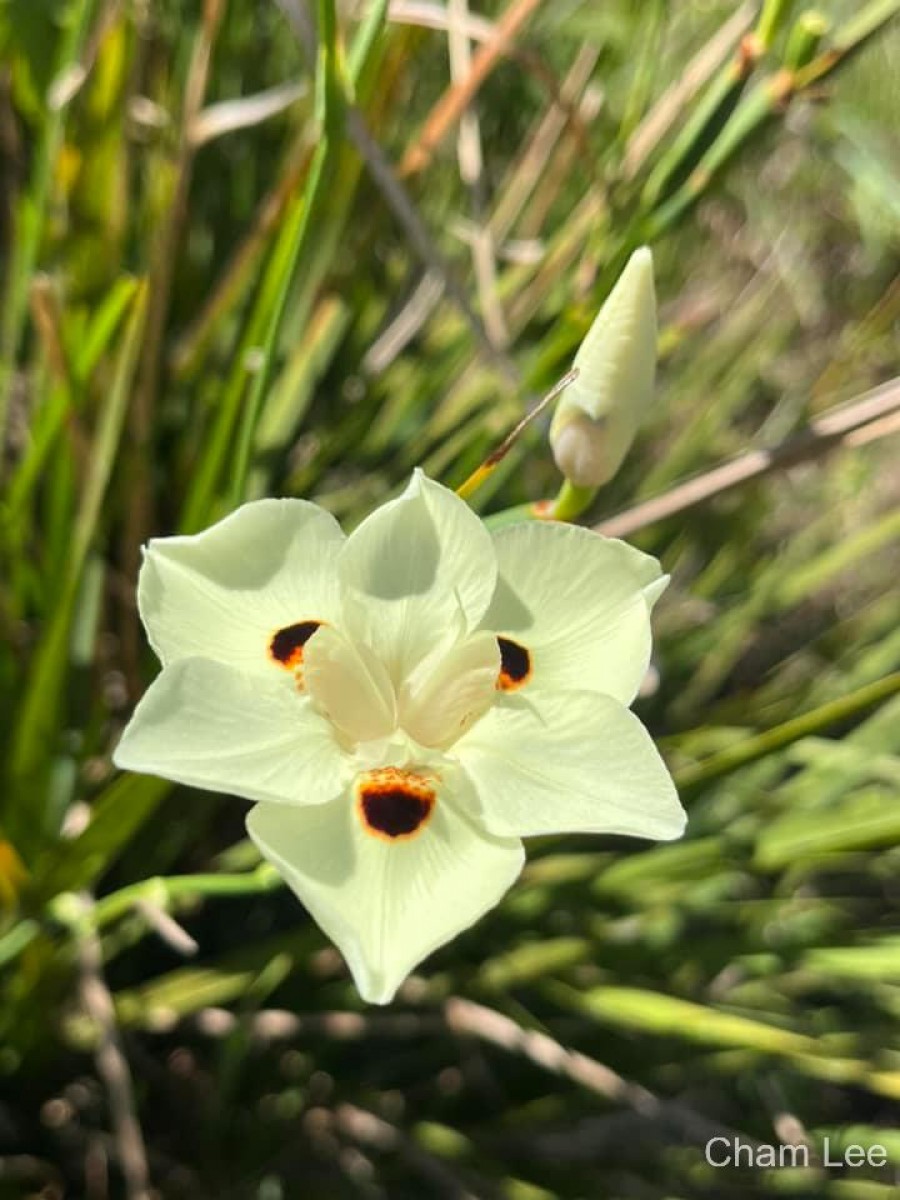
pixel 769 741
pixel 569 504
pixel 163 891
pixel 571 501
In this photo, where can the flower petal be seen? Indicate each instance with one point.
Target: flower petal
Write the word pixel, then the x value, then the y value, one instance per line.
pixel 416 564
pixel 387 903
pixel 446 694
pixel 205 725
pixel 562 762
pixel 226 592
pixel 579 602
pixel 350 685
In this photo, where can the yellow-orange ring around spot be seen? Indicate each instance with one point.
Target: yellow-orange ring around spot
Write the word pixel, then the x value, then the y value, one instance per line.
pixel 391 784
pixel 514 673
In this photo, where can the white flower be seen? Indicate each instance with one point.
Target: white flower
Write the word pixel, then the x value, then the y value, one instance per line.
pixel 599 413
pixel 403 704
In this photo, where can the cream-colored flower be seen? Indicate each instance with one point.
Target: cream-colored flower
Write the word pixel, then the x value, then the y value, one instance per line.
pixel 403 704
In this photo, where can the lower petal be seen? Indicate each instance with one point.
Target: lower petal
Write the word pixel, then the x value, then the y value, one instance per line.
pixel 208 726
pixel 390 893
pixel 562 762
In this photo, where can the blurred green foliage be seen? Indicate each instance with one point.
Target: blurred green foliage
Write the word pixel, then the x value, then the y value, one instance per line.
pixel 209 295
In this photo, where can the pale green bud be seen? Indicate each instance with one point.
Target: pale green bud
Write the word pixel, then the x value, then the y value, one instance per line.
pixel 599 413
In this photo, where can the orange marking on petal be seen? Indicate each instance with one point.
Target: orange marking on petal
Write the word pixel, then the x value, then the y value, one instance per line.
pixel 516 667
pixel 393 804
pixel 286 645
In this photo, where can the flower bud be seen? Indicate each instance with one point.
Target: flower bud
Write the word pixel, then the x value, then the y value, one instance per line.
pixel 599 413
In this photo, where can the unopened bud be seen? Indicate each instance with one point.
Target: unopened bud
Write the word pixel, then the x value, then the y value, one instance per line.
pixel 599 413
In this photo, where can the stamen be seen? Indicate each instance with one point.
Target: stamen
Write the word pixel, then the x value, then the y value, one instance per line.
pixel 515 665
pixel 394 805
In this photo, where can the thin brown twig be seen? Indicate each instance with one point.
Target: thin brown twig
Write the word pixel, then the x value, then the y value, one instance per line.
pixel 436 16
pixel 471 169
pixel 845 425
pixel 112 1066
pixel 541 143
pixel 566 157
pixel 246 112
pixel 170 237
pixel 456 100
pixel 468 137
pixel 565 113
pixel 478 29
pixel 12 158
pixel 476 1020
pixel 66 86
pixel 403 208
pixel 46 313
pixel 391 342
pixel 467 1019
pixel 371 1130
pixel 167 929
pixel 671 103
pixel 276 1024
pixel 238 267
pixel 875 430
pixel 485 469
pixel 398 199
pixel 559 258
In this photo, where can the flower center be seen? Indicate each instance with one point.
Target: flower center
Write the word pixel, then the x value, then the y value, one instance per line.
pixel 393 804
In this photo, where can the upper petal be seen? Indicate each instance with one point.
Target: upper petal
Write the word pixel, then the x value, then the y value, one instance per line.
pixel 224 593
pixel 579 603
pixel 387 903
pixel 350 685
pixel 205 725
pixel 450 690
pixel 417 564
pixel 559 762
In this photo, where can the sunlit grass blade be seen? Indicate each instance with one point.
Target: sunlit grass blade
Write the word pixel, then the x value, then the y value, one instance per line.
pixel 36 724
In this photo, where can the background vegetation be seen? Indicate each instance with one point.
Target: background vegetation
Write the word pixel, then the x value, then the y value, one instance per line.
pixel 234 265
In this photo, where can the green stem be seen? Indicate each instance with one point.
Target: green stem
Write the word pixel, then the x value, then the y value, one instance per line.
pixel 777 738
pixel 331 110
pixel 534 511
pixel 771 19
pixel 299 238
pixel 571 502
pixel 766 101
pixel 36 730
pixel 163 891
pixel 804 40
pixel 18 939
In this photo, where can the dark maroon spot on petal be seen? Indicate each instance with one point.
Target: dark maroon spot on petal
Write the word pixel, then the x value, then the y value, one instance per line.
pixel 515 665
pixel 394 804
pixel 286 646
